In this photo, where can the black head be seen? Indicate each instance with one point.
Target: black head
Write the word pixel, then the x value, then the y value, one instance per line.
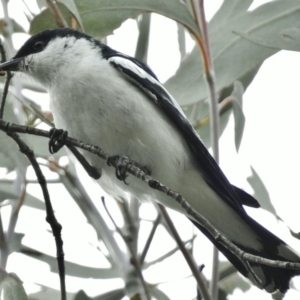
pixel 39 42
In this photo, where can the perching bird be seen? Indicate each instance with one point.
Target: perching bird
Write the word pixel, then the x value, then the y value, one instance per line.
pixel 111 100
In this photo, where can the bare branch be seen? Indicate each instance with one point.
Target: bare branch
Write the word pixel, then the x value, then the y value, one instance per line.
pixel 137 172
pixel 150 238
pixel 134 261
pixel 187 255
pixel 50 218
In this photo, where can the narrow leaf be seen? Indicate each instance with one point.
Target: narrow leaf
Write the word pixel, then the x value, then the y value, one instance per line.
pixel 288 39
pixel 158 294
pixel 72 269
pixel 233 56
pixel 261 192
pixel 71 5
pixel 181 40
pixel 238 114
pixel 101 17
pixel 13 288
pixel 117 294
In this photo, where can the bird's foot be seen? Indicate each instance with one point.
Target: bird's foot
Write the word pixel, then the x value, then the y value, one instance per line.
pixel 122 164
pixel 57 139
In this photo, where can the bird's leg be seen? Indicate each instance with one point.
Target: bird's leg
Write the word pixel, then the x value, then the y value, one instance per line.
pixel 57 141
pixel 122 163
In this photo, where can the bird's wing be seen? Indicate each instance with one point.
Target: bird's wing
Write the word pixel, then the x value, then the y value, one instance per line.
pixel 144 78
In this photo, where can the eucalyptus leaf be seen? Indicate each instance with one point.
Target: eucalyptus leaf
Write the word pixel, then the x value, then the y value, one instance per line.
pixel 117 294
pixel 72 269
pixel 47 293
pixel 101 17
pixel 261 193
pixel 13 288
pixel 70 4
pixel 181 40
pixel 45 19
pixel 288 39
pixel 234 281
pixel 229 9
pixel 15 25
pixel 7 192
pixel 10 156
pixel 238 114
pixel 158 294
pixel 233 56
pixel 41 3
pixel 16 242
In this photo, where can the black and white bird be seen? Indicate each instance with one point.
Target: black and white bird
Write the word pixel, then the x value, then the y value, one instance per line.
pixel 109 99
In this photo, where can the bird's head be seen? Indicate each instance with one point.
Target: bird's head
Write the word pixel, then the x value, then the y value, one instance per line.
pixel 45 54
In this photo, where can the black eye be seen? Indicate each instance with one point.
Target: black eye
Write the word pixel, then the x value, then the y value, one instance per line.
pixel 39 45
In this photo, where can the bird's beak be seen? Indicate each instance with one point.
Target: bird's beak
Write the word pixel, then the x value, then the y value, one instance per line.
pixel 11 65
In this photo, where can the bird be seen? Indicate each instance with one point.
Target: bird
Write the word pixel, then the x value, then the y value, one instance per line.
pixel 111 100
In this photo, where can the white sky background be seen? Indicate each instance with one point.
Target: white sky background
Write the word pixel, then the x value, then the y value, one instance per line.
pixel 270 144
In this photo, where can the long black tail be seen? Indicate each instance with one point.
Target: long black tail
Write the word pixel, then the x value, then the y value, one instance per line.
pixel 273 279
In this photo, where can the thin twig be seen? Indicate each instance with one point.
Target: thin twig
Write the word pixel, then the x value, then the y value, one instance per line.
pixel 130 224
pixel 214 121
pixel 7 80
pixel 134 261
pixel 60 20
pixel 50 218
pixel 149 240
pixel 187 255
pixel 154 184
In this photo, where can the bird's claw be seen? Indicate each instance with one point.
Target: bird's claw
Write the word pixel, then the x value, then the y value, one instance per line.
pixel 57 139
pixel 122 164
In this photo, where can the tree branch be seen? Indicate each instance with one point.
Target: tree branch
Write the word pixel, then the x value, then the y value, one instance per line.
pixel 187 255
pixel 138 173
pixel 50 218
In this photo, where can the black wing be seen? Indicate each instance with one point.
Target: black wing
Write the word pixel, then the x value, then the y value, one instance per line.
pixel 213 175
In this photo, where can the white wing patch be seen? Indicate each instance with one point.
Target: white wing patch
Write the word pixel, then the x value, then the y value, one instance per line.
pixel 128 64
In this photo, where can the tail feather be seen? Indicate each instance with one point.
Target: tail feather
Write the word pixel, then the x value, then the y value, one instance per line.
pixel 273 279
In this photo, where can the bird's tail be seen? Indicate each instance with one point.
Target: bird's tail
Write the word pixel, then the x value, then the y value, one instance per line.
pixel 273 279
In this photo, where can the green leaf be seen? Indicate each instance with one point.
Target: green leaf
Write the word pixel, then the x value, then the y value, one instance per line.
pixel 70 4
pixel 181 40
pixel 204 131
pixel 10 156
pixel 45 20
pixel 7 192
pixel 47 293
pixel 16 27
pixel 16 243
pixel 72 269
pixel 117 294
pixel 13 288
pixel 261 192
pixel 158 294
pixel 239 117
pixel 233 56
pixel 101 17
pixel 41 3
pixel 229 9
pixel 288 39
